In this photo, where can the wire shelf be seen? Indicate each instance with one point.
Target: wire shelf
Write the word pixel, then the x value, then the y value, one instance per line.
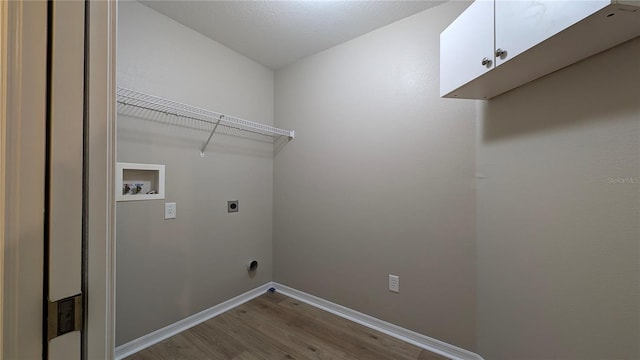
pixel 128 97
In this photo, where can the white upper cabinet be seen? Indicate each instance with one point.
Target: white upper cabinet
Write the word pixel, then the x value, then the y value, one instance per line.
pixel 524 24
pixel 466 47
pixel 525 40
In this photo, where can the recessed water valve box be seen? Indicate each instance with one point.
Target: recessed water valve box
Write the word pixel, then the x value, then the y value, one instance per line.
pixel 139 181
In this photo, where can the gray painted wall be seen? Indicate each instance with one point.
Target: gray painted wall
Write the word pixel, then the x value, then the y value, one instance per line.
pixel 170 269
pixel 380 180
pixel 558 232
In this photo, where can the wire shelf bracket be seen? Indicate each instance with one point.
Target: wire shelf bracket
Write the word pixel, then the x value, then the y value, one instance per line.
pixel 128 97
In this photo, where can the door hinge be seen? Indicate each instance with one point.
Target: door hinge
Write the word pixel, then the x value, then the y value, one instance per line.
pixel 65 316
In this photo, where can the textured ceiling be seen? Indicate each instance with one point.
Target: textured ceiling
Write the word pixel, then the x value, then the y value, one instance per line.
pixel 278 33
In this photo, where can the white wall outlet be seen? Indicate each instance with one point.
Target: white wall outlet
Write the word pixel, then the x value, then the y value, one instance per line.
pixel 394 283
pixel 169 211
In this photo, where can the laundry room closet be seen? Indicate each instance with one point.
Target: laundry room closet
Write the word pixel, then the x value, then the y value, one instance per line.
pixel 347 188
pixel 504 228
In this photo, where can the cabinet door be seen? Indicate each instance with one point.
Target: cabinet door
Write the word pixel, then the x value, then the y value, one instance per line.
pixel 522 24
pixel 464 45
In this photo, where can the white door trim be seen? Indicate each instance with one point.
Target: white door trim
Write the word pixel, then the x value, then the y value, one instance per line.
pixel 102 145
pixel 3 115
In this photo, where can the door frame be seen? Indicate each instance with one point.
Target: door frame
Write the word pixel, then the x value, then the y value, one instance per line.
pixel 22 176
pixel 100 319
pixel 3 120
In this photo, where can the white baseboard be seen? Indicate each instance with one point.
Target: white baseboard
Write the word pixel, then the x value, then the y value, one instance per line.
pixel 411 337
pixel 166 332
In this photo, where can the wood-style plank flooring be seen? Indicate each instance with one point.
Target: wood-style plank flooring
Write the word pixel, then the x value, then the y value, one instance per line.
pixel 274 326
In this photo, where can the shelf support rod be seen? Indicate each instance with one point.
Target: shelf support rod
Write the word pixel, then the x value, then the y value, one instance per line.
pixel 204 147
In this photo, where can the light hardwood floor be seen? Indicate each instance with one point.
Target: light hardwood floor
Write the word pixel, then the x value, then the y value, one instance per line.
pixel 274 326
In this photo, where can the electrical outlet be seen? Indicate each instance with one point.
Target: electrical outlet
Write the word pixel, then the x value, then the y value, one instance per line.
pixel 394 283
pixel 169 211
